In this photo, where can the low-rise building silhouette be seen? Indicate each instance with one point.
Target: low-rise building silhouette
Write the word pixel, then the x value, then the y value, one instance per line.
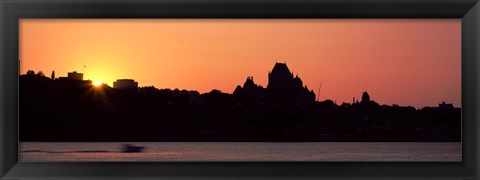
pixel 75 76
pixel 125 84
pixel 445 106
pixel 72 79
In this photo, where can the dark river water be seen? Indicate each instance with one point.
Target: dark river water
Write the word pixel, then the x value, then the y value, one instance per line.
pixel 242 151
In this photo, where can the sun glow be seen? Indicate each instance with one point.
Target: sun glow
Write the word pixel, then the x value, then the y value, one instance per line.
pixel 423 55
pixel 96 83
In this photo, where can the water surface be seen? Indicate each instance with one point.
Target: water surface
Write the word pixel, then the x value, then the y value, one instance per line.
pixel 243 151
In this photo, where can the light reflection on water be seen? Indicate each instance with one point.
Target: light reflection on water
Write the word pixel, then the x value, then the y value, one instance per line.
pixel 225 151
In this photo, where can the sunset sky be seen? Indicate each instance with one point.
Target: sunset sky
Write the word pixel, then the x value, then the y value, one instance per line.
pixel 405 62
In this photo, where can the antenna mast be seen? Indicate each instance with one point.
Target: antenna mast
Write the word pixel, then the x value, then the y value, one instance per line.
pixel 318 94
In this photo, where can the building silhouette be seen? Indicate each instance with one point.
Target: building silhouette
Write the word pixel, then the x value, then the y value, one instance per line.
pixel 125 84
pixel 365 102
pixel 73 79
pixel 282 84
pixel 75 76
pixel 365 97
pixel 249 88
pixel 282 87
pixel 280 79
pixel 445 106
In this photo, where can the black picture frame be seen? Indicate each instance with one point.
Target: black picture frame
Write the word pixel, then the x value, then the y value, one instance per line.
pixel 12 10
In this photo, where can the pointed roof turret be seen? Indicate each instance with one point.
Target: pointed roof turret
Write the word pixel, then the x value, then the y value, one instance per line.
pixel 365 97
pixel 280 79
pixel 281 69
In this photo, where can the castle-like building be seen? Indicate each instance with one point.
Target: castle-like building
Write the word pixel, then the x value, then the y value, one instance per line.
pixel 282 87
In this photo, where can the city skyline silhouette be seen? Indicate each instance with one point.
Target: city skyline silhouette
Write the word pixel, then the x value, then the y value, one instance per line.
pixel 281 83
pixel 405 62
pixel 286 110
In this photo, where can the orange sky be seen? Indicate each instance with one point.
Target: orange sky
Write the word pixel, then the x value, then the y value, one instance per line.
pixel 405 62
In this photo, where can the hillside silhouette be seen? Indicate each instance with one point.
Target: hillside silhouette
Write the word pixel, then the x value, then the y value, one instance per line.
pixel 72 109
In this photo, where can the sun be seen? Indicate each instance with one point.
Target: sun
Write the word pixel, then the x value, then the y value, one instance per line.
pixel 96 83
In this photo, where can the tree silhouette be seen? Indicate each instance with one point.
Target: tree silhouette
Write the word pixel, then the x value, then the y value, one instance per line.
pixel 30 72
pixel 40 73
